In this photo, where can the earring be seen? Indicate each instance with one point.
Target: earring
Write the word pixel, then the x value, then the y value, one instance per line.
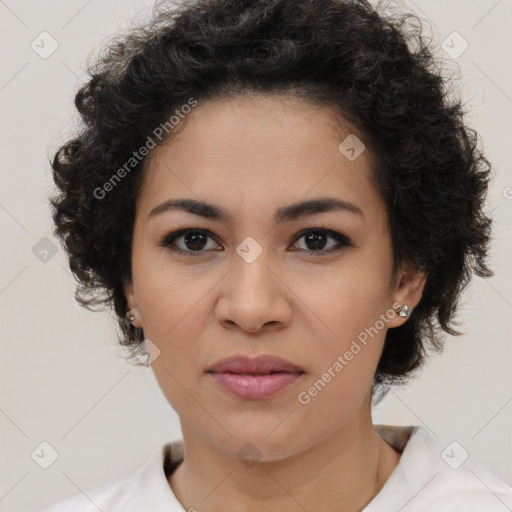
pixel 130 316
pixel 404 310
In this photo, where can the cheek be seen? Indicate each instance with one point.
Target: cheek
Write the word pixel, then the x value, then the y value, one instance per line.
pixel 353 307
pixel 173 320
pixel 343 374
pixel 175 328
pixel 173 312
pixel 349 299
pixel 167 297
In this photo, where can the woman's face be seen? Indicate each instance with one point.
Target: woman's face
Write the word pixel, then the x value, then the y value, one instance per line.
pixel 255 281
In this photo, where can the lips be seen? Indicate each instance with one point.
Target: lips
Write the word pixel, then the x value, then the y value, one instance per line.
pixel 261 365
pixel 255 378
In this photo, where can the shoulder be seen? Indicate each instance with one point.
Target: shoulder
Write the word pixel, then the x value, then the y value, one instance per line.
pixel 430 477
pixel 139 491
pixel 113 497
pixel 470 488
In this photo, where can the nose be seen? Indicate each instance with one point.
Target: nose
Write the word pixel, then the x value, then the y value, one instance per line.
pixel 254 298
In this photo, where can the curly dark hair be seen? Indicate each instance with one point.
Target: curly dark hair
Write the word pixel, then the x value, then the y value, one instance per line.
pixel 376 70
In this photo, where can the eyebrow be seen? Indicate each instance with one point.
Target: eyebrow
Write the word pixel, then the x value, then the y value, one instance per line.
pixel 283 214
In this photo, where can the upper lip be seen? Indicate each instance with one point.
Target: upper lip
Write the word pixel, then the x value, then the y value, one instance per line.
pixel 259 365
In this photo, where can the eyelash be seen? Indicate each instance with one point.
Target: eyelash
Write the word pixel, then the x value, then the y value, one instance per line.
pixel 167 240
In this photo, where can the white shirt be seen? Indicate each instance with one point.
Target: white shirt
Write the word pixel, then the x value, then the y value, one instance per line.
pixel 422 482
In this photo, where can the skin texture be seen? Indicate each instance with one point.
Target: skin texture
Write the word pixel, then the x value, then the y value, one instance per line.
pixel 250 156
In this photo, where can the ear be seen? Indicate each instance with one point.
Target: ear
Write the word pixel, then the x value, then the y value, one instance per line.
pixel 131 301
pixel 128 292
pixel 408 290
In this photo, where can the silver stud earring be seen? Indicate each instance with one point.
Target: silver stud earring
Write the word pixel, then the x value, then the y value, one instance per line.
pixel 130 316
pixel 404 310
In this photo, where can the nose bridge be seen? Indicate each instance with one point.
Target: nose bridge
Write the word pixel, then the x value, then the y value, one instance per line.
pixel 251 273
pixel 253 296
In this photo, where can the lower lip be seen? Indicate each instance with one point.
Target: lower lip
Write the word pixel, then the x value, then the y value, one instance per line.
pixel 254 387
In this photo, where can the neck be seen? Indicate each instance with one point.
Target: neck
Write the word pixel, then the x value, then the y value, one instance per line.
pixel 343 473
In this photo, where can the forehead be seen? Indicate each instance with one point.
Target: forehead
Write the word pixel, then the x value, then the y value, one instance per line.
pixel 257 153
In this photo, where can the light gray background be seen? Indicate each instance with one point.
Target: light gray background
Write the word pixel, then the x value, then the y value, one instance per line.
pixel 62 380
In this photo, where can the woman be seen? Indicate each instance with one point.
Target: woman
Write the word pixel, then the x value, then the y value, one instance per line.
pixel 283 206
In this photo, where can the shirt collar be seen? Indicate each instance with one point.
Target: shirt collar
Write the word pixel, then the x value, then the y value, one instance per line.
pixel 154 492
pixel 416 468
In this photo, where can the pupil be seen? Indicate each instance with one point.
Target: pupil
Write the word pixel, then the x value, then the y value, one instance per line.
pixel 318 240
pixel 195 240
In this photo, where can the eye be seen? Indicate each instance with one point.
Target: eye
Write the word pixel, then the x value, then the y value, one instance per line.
pixel 315 240
pixel 193 242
